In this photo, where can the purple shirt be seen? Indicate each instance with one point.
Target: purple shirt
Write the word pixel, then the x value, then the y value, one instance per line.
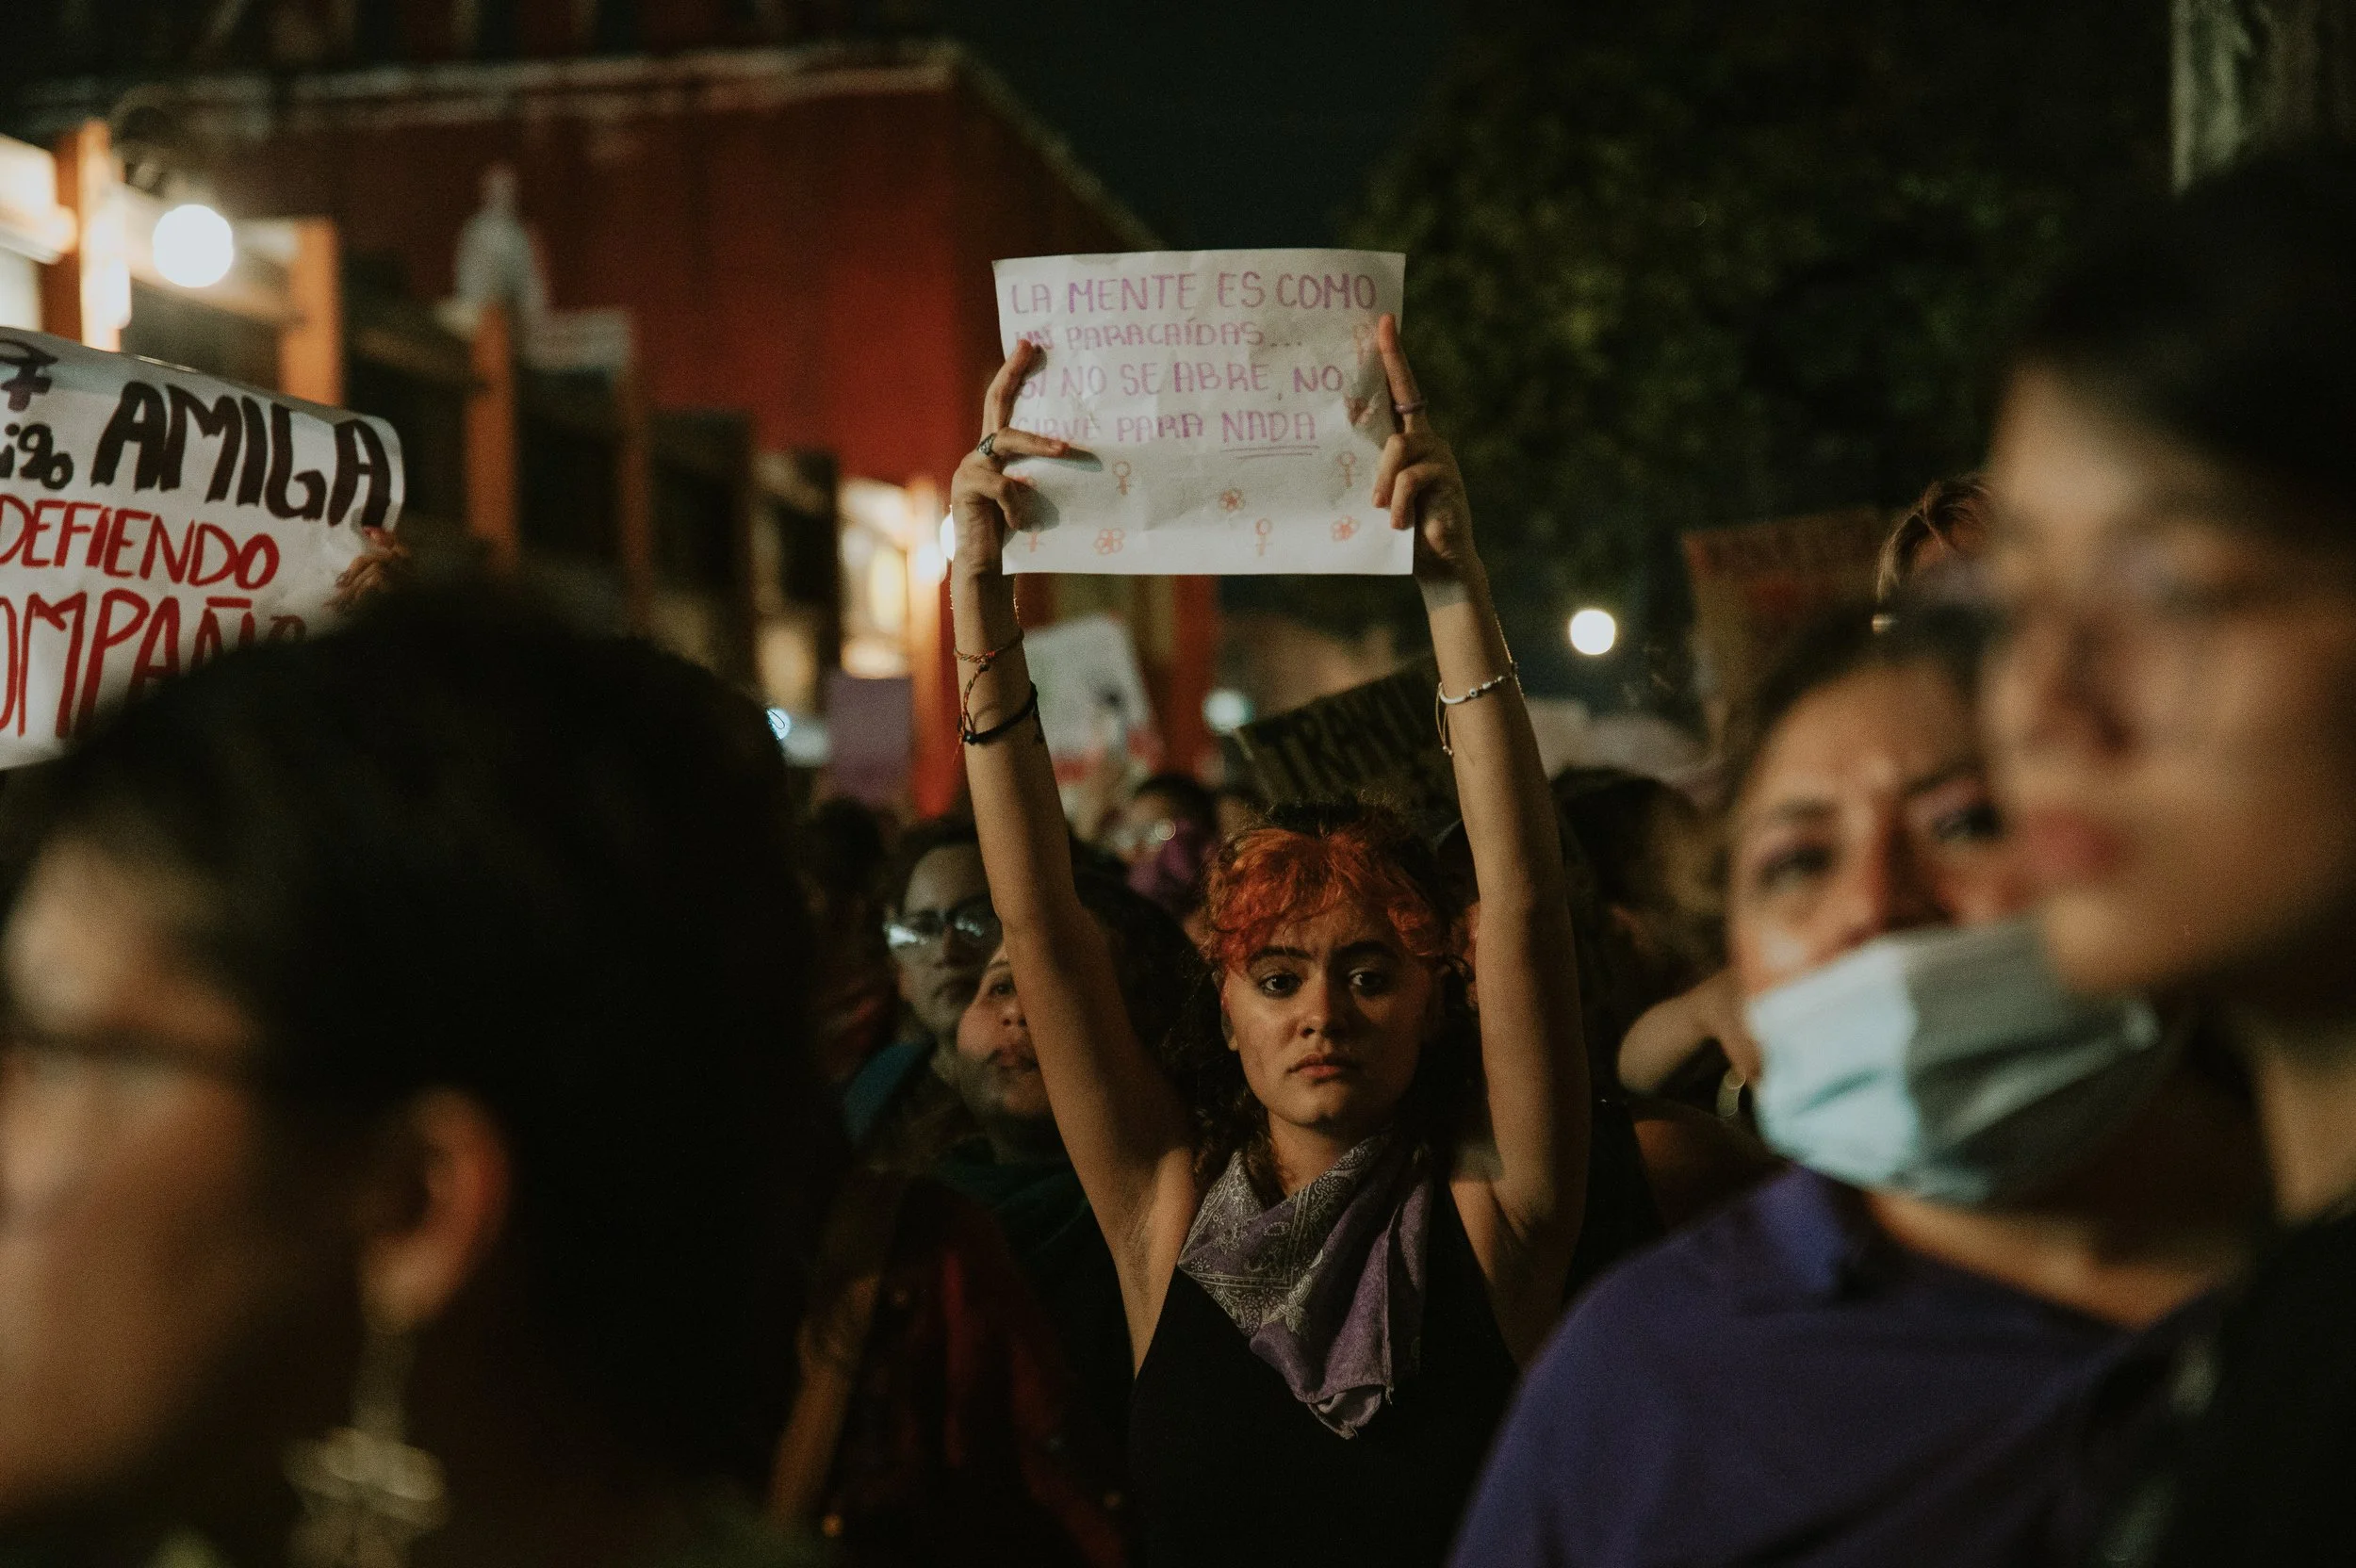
pixel 1783 1383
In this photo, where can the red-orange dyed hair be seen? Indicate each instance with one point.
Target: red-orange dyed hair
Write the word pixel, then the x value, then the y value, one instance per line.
pixel 1274 876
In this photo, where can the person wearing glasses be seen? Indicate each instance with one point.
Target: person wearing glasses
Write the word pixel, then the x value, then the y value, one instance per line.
pixel 941 930
pixel 405 1137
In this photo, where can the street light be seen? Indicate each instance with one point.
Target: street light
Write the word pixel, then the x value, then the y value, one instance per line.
pixel 1594 632
pixel 1226 711
pixel 194 246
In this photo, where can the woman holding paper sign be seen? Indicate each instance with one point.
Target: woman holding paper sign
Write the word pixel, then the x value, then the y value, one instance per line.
pixel 1334 1251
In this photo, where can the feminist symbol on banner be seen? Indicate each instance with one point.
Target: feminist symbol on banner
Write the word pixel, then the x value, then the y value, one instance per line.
pixel 1345 529
pixel 44 464
pixel 1347 462
pixel 1121 473
pixel 29 383
pixel 1109 541
pixel 1231 500
pixel 1262 528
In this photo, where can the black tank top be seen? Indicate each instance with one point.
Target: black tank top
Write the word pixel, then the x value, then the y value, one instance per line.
pixel 1230 1470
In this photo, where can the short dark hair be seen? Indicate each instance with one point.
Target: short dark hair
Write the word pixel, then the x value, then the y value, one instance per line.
pixel 2227 319
pixel 1155 962
pixel 1617 817
pixel 844 856
pixel 1188 796
pixel 458 846
pixel 920 840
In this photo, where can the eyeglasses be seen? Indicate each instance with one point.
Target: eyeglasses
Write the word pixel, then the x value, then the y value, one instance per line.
pixel 973 920
pixel 2146 634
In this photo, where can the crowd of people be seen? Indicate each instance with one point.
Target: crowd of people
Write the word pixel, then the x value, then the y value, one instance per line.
pixel 454 1109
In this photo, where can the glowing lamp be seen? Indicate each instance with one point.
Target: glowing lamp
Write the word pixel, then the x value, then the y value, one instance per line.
pixel 194 246
pixel 1594 632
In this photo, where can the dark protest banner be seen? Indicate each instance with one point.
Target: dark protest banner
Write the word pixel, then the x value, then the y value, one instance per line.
pixel 1756 584
pixel 1377 739
pixel 151 518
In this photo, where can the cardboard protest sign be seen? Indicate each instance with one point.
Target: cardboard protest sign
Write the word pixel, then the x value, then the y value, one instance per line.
pixel 1755 585
pixel 1378 739
pixel 1231 403
pixel 152 517
pixel 1092 695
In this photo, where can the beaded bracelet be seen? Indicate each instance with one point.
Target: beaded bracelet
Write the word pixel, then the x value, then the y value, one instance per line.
pixel 983 663
pixel 1442 702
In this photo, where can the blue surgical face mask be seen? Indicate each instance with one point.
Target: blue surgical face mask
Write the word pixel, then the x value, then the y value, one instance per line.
pixel 1948 1063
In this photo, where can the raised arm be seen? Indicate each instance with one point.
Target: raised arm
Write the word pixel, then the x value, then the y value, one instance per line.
pixel 1124 1127
pixel 1523 1213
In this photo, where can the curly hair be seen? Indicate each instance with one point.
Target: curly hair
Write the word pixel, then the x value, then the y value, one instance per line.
pixel 1300 862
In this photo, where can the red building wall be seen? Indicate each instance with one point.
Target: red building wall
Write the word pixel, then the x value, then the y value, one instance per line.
pixel 823 262
pixel 806 237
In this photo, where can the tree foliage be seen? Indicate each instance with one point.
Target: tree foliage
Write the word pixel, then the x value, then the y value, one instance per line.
pixel 1689 262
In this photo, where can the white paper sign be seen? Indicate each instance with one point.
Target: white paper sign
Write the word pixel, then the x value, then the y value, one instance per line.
pixel 1091 695
pixel 1231 402
pixel 151 518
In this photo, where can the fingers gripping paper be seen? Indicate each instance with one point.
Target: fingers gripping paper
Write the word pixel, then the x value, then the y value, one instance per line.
pixel 1233 404
pixel 151 518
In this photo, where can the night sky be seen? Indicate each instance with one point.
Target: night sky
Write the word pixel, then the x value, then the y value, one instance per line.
pixel 1222 123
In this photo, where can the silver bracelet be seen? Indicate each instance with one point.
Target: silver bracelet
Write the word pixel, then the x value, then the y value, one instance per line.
pixel 1442 702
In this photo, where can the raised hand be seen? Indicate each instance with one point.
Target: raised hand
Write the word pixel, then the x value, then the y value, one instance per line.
pixel 382 564
pixel 986 500
pixel 1418 479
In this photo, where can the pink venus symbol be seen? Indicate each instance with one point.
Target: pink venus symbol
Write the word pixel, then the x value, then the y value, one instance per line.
pixel 1121 473
pixel 1262 528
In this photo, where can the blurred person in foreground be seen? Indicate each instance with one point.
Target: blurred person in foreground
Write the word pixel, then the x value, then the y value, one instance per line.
pixel 405 1130
pixel 2174 473
pixel 1922 1345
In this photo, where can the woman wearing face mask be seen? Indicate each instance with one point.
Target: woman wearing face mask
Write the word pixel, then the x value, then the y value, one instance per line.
pixel 1887 1354
pixel 1331 1258
pixel 2175 475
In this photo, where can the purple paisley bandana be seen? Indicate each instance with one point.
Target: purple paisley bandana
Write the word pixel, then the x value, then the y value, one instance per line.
pixel 1328 1284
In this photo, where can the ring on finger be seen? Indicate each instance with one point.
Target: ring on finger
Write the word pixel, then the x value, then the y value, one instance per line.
pixel 1402 410
pixel 989 445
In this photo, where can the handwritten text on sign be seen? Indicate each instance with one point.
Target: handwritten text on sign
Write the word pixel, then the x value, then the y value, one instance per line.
pixel 1233 403
pixel 151 518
